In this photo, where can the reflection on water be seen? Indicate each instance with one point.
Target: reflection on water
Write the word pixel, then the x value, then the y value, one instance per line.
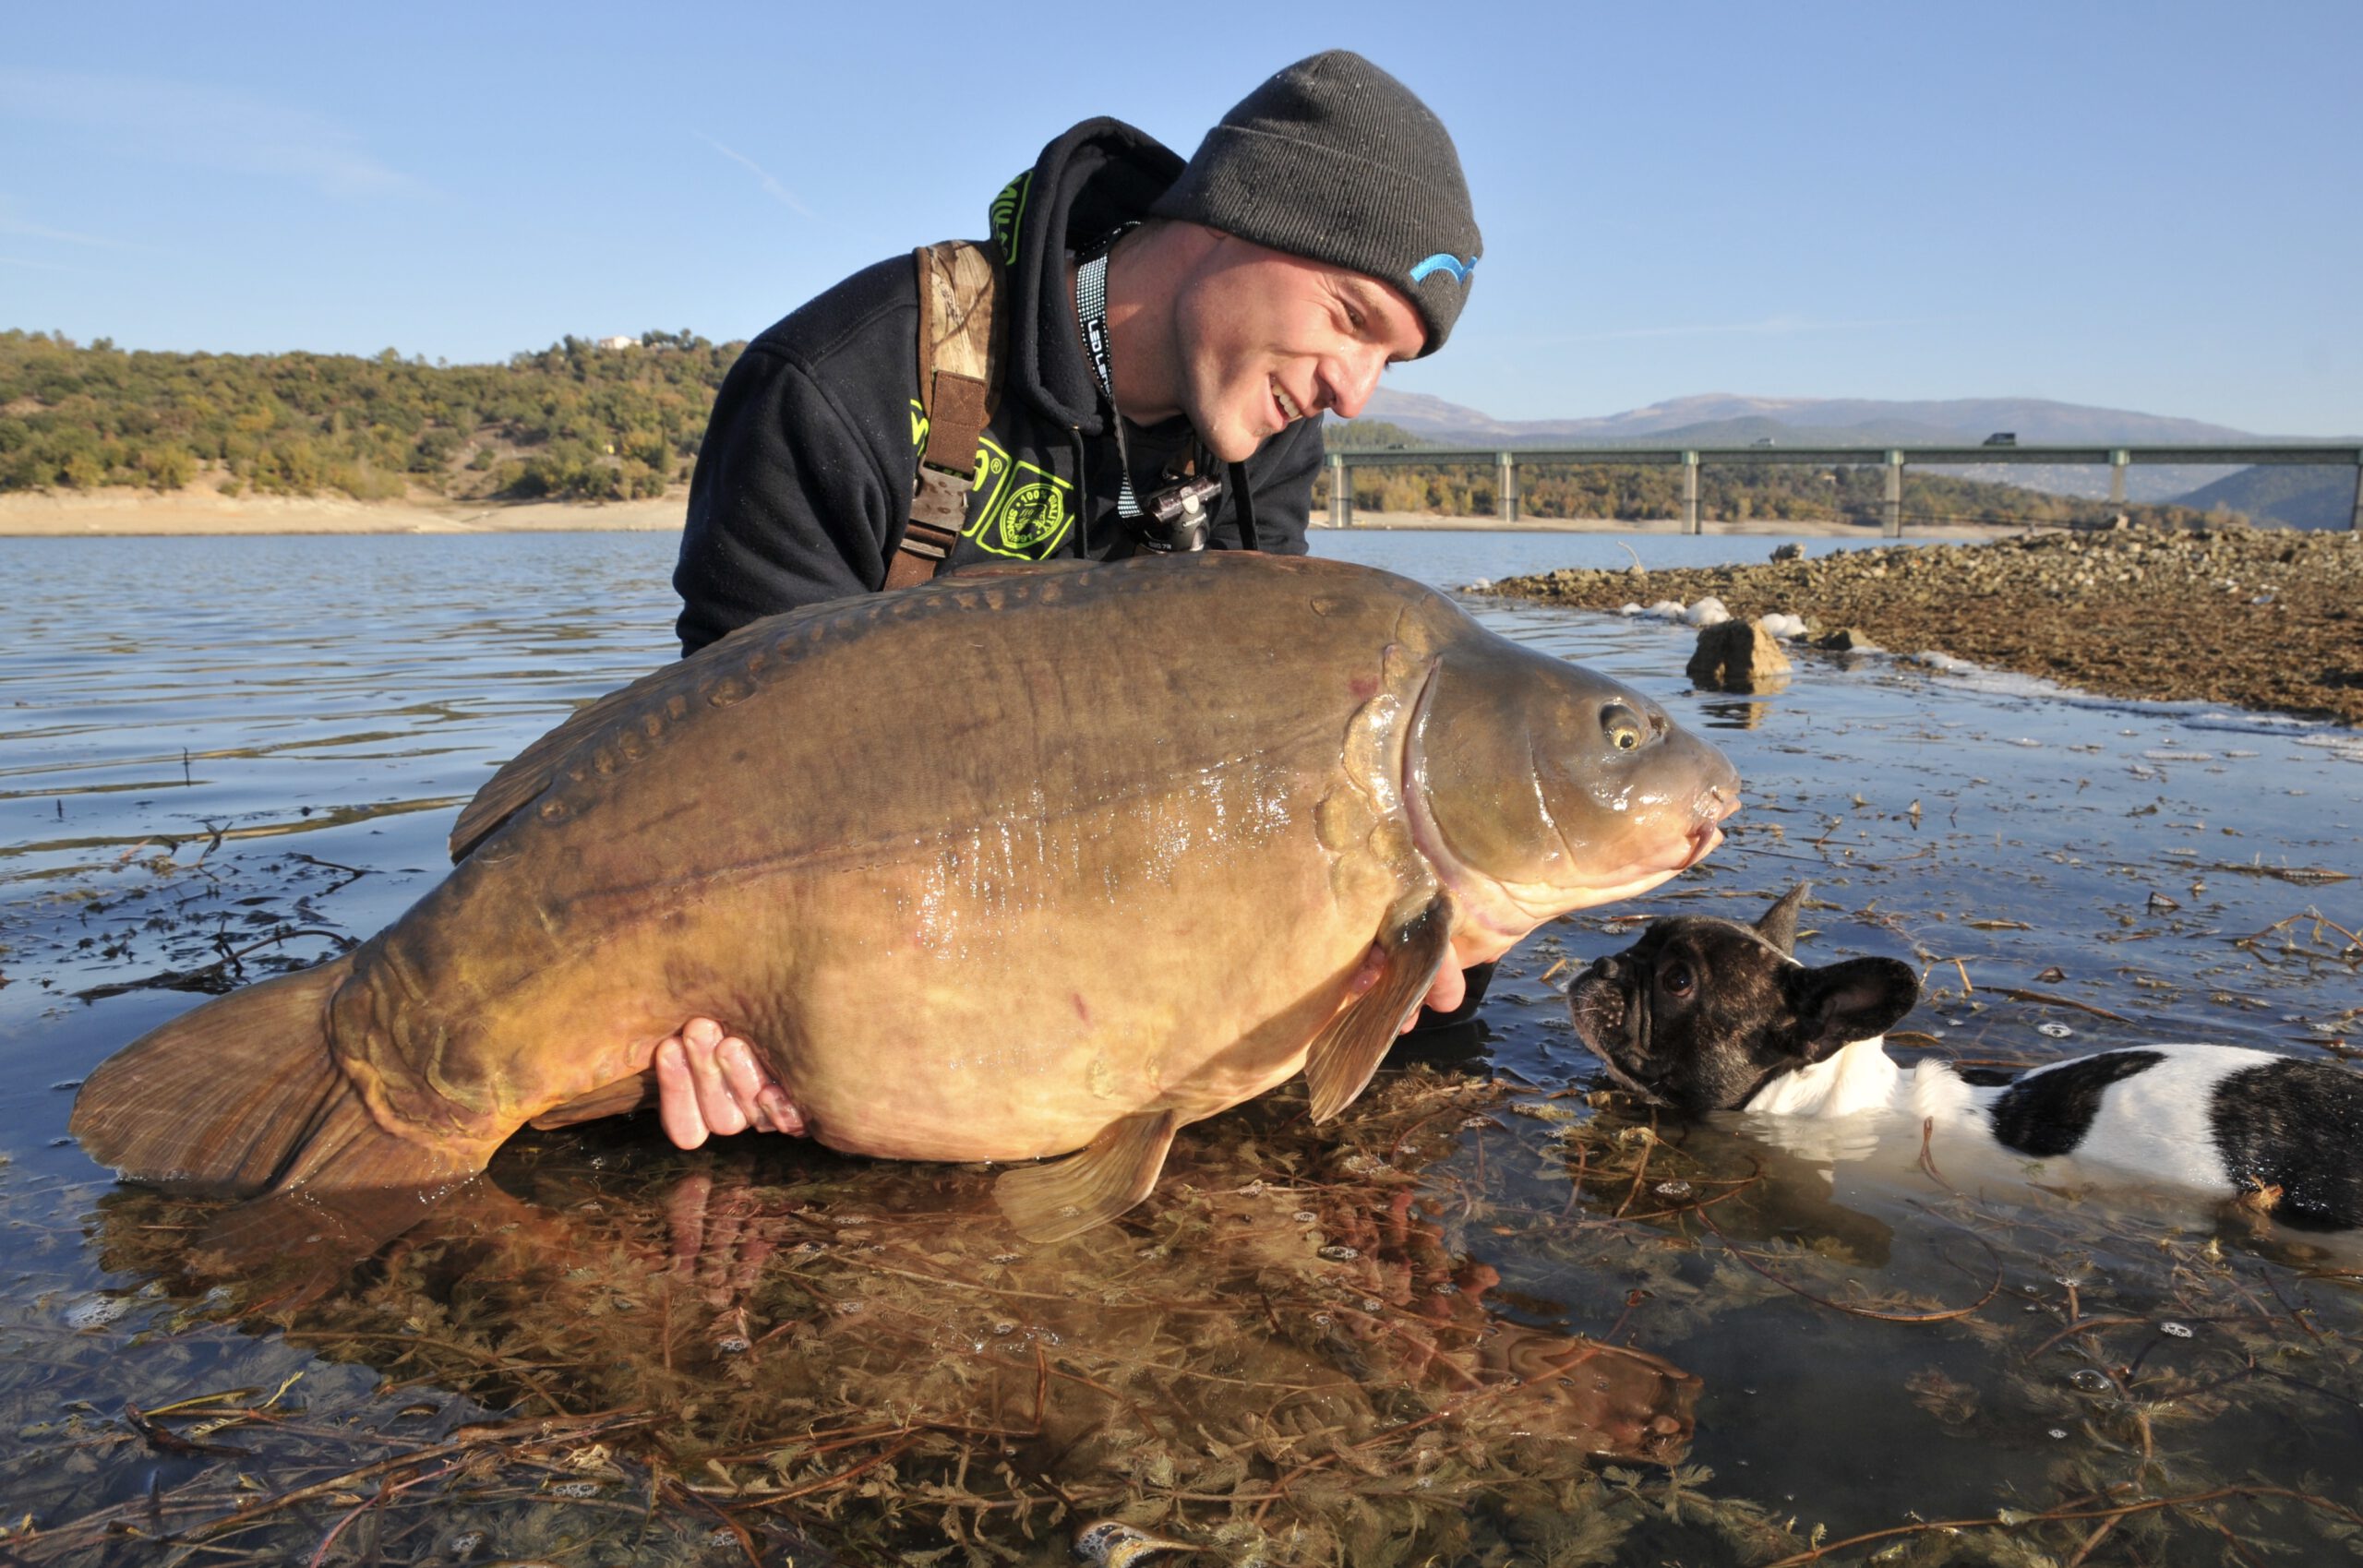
pixel 1293 1332
pixel 221 757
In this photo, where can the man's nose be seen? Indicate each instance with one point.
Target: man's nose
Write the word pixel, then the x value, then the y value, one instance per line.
pixel 1352 377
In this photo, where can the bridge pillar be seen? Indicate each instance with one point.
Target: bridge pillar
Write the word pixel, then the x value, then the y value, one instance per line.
pixel 1893 527
pixel 1341 493
pixel 2116 461
pixel 1505 486
pixel 1690 492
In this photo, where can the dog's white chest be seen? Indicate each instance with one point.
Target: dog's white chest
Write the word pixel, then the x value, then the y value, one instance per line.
pixel 2145 1113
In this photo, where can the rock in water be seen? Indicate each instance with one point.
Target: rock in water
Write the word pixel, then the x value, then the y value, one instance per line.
pixel 1736 656
pixel 1011 865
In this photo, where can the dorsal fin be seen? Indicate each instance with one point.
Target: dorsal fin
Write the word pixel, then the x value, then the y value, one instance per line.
pixel 971 570
pixel 708 672
pixel 528 774
pixel 525 775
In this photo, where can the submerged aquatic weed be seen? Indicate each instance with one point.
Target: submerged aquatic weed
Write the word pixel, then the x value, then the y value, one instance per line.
pixel 959 1393
pixel 1352 1344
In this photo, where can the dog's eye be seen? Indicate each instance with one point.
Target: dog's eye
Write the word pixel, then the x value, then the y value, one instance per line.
pixel 1677 980
pixel 1622 724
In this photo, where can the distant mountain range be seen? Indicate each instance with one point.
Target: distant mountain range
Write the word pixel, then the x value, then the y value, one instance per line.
pixel 1722 419
pixel 2302 498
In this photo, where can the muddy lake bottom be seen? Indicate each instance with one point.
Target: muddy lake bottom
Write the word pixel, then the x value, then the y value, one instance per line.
pixel 1491 1314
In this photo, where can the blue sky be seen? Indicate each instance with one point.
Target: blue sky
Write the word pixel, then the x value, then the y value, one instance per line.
pixel 2151 206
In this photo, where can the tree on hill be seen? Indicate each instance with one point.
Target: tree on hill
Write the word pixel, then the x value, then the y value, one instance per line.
pixel 1368 435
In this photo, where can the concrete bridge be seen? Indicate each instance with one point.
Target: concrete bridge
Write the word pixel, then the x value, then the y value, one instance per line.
pixel 1506 459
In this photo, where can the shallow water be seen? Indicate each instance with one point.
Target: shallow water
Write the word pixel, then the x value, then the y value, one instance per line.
pixel 254 747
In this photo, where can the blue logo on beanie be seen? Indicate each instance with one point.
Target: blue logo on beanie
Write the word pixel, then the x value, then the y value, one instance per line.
pixel 1445 261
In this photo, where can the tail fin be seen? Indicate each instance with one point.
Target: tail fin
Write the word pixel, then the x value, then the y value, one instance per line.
pixel 242 1095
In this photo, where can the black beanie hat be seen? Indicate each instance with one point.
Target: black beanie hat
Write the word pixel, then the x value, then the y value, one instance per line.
pixel 1335 160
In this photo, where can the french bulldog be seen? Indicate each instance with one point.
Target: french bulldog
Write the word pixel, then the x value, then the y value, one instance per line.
pixel 1704 1014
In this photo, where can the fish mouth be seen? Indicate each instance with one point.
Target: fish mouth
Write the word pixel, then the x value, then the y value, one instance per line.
pixel 1707 833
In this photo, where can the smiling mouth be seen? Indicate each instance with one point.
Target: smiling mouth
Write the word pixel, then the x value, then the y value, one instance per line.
pixel 1290 412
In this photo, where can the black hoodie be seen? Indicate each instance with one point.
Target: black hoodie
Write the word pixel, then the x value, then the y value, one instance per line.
pixel 804 481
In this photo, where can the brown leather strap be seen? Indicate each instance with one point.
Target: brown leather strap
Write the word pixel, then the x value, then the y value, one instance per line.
pixel 959 364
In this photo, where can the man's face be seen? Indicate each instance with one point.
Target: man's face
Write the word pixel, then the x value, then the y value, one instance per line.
pixel 1266 337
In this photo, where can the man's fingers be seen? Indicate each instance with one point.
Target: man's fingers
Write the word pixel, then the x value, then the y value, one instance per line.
pixel 710 1083
pixel 677 1095
pixel 723 1113
pixel 744 1080
pixel 782 1115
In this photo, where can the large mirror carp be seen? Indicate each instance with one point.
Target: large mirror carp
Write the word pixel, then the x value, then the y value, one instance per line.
pixel 1007 866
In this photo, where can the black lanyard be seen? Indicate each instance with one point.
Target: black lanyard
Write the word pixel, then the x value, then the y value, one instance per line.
pixel 1175 518
pixel 1091 309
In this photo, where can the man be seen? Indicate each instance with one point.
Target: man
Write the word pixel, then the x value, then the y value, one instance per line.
pixel 1169 330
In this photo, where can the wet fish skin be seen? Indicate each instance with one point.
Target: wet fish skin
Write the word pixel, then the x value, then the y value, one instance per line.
pixel 984 869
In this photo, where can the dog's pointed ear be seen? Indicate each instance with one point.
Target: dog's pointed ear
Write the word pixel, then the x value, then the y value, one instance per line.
pixel 1842 1003
pixel 1779 925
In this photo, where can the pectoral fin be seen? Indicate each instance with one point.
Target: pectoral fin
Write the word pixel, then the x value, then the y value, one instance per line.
pixel 623 1096
pixel 1061 1198
pixel 1347 1052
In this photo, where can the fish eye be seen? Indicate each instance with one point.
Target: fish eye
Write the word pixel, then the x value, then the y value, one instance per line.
pixel 1677 979
pixel 1623 727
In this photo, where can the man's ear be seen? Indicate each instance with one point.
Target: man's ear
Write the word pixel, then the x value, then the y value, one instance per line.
pixel 1854 1000
pixel 1779 925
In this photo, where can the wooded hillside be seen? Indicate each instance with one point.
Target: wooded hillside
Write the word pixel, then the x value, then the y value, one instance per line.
pixel 580 421
pixel 574 422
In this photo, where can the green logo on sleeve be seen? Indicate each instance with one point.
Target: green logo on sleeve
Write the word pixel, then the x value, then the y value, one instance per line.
pixel 1032 522
pixel 1026 510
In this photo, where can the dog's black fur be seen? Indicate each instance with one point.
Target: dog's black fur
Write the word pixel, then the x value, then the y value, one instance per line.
pixel 1651 1012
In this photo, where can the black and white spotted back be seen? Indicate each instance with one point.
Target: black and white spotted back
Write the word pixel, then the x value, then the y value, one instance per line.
pixel 2212 1117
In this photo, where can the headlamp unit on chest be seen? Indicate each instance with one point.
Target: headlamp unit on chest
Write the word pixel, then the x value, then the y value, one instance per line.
pixel 1177 518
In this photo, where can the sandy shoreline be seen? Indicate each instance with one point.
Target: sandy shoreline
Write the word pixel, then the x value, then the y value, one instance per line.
pixel 131 513
pixel 144 513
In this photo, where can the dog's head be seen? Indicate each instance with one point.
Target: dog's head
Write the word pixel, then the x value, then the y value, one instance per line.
pixel 1702 1012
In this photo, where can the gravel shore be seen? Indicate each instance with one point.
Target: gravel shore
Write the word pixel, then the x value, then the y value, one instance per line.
pixel 2262 618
